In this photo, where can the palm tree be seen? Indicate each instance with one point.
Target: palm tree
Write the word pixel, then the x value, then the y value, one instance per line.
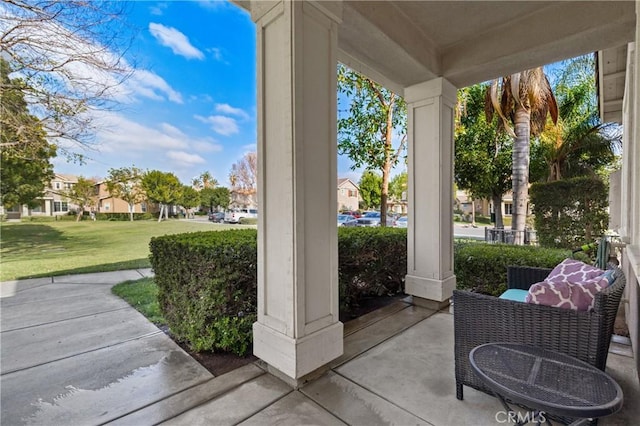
pixel 580 144
pixel 524 99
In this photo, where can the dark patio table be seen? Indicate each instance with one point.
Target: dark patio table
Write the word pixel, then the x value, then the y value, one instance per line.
pixel 548 382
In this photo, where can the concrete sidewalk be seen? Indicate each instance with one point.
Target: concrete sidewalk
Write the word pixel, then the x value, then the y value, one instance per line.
pixel 74 354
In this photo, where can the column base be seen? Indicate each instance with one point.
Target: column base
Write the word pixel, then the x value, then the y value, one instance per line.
pixel 433 305
pixel 428 288
pixel 297 358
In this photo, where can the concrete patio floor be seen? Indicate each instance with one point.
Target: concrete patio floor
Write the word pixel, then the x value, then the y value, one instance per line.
pixel 74 354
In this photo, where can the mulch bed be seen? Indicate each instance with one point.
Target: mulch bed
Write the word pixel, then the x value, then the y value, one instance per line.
pixel 218 363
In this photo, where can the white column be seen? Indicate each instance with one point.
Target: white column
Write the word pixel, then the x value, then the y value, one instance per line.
pixel 298 330
pixel 430 108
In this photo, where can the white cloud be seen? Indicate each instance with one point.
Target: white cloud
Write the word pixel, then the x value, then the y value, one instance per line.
pixel 150 85
pixel 205 146
pixel 175 40
pixel 184 159
pixel 213 4
pixel 220 124
pixel 229 110
pixel 217 54
pixel 158 9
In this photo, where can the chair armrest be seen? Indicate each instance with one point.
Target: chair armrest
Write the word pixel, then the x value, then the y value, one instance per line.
pixel 523 277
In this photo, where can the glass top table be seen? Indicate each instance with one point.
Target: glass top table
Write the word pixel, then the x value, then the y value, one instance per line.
pixel 546 381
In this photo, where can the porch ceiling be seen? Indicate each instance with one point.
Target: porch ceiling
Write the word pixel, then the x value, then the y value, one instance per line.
pixel 612 66
pixel 401 43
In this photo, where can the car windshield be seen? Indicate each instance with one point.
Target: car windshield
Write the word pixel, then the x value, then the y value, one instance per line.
pixel 403 219
pixel 344 217
pixel 372 214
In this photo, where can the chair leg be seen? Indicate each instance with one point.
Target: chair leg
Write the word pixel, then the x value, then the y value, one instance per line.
pixel 459 391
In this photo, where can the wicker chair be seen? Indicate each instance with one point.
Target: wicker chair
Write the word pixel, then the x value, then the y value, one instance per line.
pixel 482 319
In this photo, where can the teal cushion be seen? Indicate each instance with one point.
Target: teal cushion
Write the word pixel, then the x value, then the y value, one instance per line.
pixel 514 294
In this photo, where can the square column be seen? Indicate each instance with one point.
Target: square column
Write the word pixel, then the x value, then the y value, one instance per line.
pixel 430 115
pixel 298 330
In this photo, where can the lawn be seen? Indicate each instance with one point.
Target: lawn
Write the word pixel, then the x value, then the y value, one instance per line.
pixel 29 250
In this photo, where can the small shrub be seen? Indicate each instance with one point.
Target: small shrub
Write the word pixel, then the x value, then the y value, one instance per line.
pixel 248 221
pixel 483 267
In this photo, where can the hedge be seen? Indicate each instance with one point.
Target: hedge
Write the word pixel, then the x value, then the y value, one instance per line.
pixel 570 212
pixel 207 281
pixel 207 287
pixel 371 261
pixel 483 267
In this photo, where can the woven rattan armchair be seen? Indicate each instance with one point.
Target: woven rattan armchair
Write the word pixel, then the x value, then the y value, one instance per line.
pixel 482 319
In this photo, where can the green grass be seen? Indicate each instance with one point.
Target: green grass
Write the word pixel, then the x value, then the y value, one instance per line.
pixel 143 295
pixel 29 250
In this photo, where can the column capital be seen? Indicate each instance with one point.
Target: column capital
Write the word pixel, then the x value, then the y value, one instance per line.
pixel 332 9
pixel 431 89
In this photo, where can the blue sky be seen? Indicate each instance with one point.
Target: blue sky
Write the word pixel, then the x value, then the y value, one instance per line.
pixel 191 102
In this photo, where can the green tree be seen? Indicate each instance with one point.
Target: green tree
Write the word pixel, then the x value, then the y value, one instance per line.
pixel 366 134
pixel 524 99
pixel 214 198
pixel 370 189
pixel 580 144
pixel 482 154
pixel 204 181
pixel 398 186
pixel 83 193
pixel 126 183
pixel 162 188
pixel 190 198
pixel 24 150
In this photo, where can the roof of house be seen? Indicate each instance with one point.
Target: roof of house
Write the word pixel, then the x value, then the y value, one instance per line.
pixel 342 181
pixel 66 178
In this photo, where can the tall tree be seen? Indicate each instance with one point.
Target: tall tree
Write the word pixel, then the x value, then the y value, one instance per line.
pixel 370 189
pixel 205 180
pixel 482 154
pixel 83 193
pixel 398 186
pixel 69 54
pixel 580 144
pixel 244 178
pixel 162 188
pixel 126 183
pixel 524 99
pixel 190 198
pixel 24 150
pixel 367 132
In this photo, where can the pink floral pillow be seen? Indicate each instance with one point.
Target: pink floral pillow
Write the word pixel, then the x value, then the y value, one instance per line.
pixel 571 285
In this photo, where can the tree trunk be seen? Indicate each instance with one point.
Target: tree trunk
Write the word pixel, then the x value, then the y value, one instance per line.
pixel 161 211
pixel 131 207
pixel 473 213
pixel 79 215
pixel 166 212
pixel 520 176
pixel 386 168
pixel 497 209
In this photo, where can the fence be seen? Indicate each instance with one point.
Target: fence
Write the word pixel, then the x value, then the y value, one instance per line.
pixel 508 236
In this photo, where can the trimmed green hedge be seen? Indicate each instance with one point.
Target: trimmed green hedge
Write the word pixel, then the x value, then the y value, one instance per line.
pixel 123 217
pixel 483 267
pixel 570 212
pixel 207 287
pixel 208 280
pixel 371 261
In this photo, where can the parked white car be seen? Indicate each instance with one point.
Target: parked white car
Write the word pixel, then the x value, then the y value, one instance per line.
pixel 234 215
